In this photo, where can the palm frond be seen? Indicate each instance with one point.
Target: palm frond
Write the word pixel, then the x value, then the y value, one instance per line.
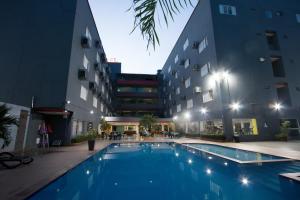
pixel 146 14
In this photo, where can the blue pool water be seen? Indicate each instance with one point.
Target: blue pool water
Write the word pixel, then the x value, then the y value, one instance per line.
pixel 165 171
pixel 236 154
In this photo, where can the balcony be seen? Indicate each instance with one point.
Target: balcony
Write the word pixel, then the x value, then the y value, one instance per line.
pixel 137 83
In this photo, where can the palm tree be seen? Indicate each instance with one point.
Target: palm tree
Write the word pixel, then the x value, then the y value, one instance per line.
pixel 6 121
pixel 146 14
pixel 105 126
pixel 148 122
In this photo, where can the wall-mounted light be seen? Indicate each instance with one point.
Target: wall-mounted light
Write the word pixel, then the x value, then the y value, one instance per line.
pixel 68 102
pixel 187 115
pixel 277 106
pixel 175 118
pixel 91 112
pixel 203 111
pixel 236 106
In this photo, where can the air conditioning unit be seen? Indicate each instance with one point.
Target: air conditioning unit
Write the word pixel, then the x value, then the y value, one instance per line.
pixel 92 85
pixel 182 62
pixel 197 89
pixel 196 45
pixel 183 98
pixel 97 67
pixel 173 72
pixel 100 74
pixel 85 42
pixel 82 74
pixel 196 67
pixel 97 44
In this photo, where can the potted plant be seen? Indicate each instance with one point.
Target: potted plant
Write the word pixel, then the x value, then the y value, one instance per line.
pixel 6 121
pixel 91 137
pixel 284 131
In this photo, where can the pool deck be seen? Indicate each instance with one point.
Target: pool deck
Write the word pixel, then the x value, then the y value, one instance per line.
pixel 19 183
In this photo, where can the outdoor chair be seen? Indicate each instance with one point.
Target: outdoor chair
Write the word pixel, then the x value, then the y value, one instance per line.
pixel 11 161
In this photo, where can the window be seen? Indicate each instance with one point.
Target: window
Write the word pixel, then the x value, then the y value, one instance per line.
pixel 187 82
pixel 189 103
pixel 245 126
pixel 272 40
pixel 176 59
pixel 203 44
pixel 97 58
pixel 269 14
pixel 88 34
pixel 170 97
pixel 85 62
pixel 101 107
pixel 186 63
pixel 95 102
pixel 283 93
pixel 169 69
pixel 186 44
pixel 227 10
pixel 205 69
pixel 102 89
pixel 207 96
pixel 170 111
pixel 83 93
pixel 298 18
pixel 179 108
pixel 277 66
pixel 97 79
pixel 176 75
pixel 170 83
pixel 178 90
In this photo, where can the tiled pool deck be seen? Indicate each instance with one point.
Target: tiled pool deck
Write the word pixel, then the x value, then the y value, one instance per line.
pixel 19 183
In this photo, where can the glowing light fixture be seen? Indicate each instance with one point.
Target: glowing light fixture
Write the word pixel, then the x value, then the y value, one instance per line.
pixel 91 112
pixel 209 157
pixel 277 106
pixel 190 161
pixel 208 171
pixel 187 115
pixel 203 111
pixel 236 106
pixel 175 117
pixel 68 102
pixel 226 163
pixel 87 172
pixel 176 154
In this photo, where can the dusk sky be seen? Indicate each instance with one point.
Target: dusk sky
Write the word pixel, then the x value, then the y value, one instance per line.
pixel 115 24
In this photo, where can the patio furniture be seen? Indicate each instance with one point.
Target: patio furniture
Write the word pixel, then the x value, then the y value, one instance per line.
pixel 11 161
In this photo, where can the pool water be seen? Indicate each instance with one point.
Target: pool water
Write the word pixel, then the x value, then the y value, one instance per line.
pixel 165 171
pixel 236 154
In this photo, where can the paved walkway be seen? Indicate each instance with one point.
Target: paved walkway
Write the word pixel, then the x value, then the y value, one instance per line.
pixel 21 182
pixel 285 149
pixel 18 183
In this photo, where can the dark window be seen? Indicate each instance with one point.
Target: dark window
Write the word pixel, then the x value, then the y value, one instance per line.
pixel 272 40
pixel 277 65
pixel 283 93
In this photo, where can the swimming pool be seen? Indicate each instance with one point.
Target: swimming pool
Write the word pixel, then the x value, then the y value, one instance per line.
pixel 165 171
pixel 237 155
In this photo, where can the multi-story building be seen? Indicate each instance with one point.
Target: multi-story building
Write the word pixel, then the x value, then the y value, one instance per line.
pixel 53 64
pixel 137 95
pixel 234 69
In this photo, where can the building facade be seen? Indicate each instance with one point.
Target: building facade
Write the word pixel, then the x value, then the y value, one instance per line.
pixel 137 95
pixel 53 62
pixel 234 69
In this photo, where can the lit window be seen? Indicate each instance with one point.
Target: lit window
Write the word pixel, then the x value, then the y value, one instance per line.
pixel 189 103
pixel 207 96
pixel 97 79
pixel 186 44
pixel 95 102
pixel 203 45
pixel 186 63
pixel 83 93
pixel 176 59
pixel 176 75
pixel 269 14
pixel 169 69
pixel 227 10
pixel 187 82
pixel 178 90
pixel 298 18
pixel 170 83
pixel 205 69
pixel 85 62
pixel 179 108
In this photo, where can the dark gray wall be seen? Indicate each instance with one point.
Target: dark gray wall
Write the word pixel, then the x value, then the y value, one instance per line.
pixel 35 49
